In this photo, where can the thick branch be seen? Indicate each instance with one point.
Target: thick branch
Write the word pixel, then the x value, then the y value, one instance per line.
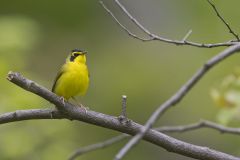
pixel 177 97
pixel 153 37
pixel 107 121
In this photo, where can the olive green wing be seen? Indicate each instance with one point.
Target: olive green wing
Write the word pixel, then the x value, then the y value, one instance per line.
pixel 60 73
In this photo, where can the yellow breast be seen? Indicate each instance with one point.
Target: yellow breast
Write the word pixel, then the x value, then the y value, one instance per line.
pixel 73 80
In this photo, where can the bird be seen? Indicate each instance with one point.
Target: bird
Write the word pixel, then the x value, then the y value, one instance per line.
pixel 73 77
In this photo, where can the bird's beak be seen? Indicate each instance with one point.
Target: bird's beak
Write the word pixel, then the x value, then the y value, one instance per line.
pixel 84 52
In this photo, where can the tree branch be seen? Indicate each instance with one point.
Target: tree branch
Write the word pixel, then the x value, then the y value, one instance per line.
pixel 177 97
pixel 21 115
pixel 222 19
pixel 183 90
pixel 75 113
pixel 199 125
pixel 134 20
pixel 152 36
pixel 166 129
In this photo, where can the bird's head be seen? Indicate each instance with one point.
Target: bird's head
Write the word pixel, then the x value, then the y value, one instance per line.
pixel 78 55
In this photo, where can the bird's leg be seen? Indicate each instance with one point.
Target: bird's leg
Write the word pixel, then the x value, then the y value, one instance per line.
pixel 52 113
pixel 80 105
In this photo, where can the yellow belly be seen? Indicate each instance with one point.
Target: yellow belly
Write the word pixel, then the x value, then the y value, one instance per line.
pixel 73 81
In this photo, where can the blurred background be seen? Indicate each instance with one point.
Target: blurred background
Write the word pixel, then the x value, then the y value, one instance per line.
pixel 37 36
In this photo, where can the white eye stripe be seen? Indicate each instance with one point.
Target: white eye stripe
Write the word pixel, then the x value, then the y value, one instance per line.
pixel 75 54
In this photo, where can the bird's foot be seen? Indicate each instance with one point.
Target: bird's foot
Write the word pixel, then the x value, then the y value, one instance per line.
pixel 63 100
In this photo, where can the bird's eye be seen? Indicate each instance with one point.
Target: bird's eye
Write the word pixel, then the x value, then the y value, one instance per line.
pixel 76 54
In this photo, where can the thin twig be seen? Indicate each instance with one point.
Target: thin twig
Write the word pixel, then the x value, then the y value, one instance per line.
pixel 223 20
pixel 134 20
pixel 187 35
pixel 123 117
pixel 177 97
pixel 124 106
pixel 96 146
pixel 199 125
pixel 165 129
pixel 121 25
pixel 75 113
pixel 153 37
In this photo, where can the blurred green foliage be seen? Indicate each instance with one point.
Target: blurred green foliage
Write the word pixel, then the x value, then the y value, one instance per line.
pixel 227 96
pixel 36 37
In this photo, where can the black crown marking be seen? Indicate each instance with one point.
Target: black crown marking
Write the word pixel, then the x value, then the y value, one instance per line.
pixel 77 50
